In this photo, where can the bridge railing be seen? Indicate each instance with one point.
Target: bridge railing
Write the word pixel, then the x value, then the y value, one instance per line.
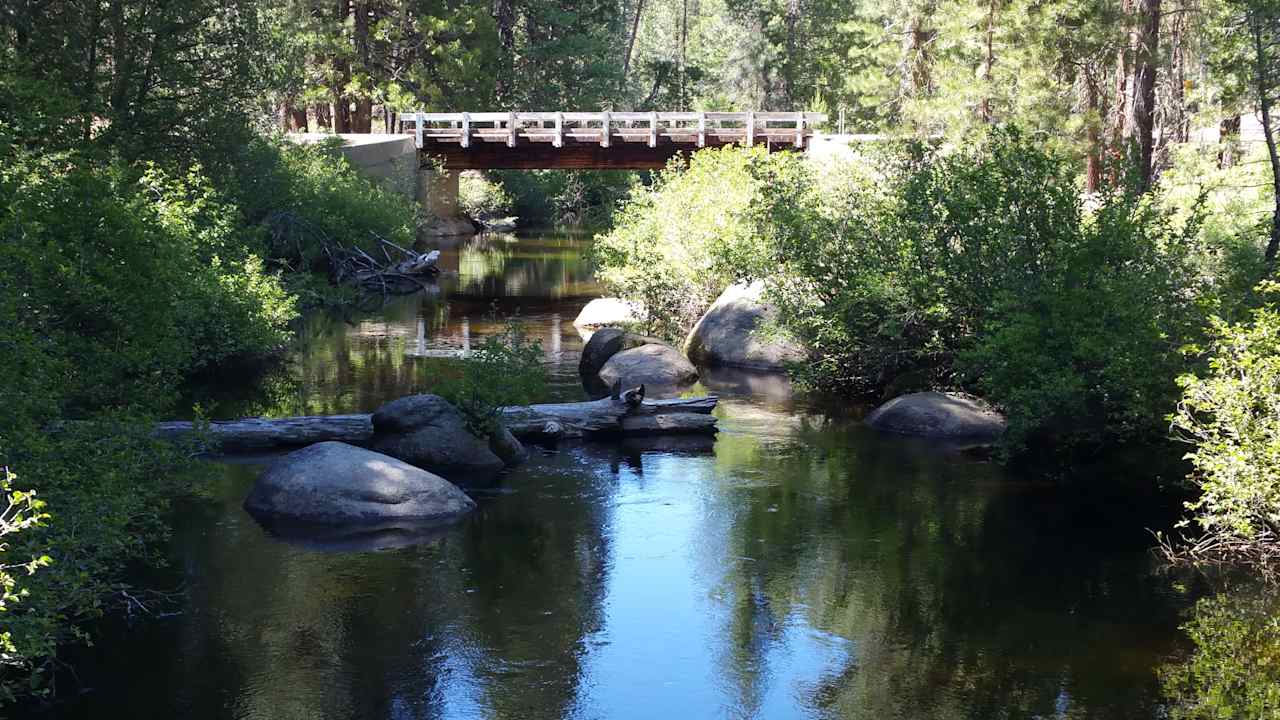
pixel 606 128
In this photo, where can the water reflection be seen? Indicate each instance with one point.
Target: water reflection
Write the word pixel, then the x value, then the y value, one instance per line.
pixel 1233 668
pixel 794 566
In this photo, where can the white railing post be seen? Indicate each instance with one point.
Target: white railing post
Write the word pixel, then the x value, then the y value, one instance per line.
pixel 511 129
pixel 751 127
pixel 702 129
pixel 559 141
pixel 417 129
pixel 604 130
pixel 653 129
pixel 799 129
pixel 466 129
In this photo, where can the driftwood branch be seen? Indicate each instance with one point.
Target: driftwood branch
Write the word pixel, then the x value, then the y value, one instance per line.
pixel 548 421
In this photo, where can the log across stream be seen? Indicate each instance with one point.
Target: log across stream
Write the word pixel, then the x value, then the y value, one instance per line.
pixel 551 421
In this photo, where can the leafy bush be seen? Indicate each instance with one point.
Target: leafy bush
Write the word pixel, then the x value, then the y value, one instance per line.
pixel 566 197
pixel 1232 415
pixel 22 511
pixel 1233 205
pixel 481 198
pixel 976 268
pixel 677 244
pixel 306 196
pixel 114 286
pixel 504 369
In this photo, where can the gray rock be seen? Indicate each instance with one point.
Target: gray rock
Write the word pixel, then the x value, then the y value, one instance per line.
pixel 333 482
pixel 727 333
pixel 648 365
pixel 603 312
pixel 508 448
pixel 604 344
pixel 447 227
pixel 938 415
pixel 427 431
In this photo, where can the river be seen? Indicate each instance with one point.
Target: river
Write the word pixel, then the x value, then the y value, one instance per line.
pixel 799 566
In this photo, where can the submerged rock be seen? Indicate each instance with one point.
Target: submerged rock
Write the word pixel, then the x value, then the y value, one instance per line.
pixel 729 333
pixel 650 364
pixel 602 312
pixel 333 482
pixel 429 432
pixel 939 415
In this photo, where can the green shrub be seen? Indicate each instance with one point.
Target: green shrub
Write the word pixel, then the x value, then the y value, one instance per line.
pixel 114 287
pixel 566 197
pixel 1232 415
pixel 306 196
pixel 503 369
pixel 481 198
pixel 976 267
pixel 1233 206
pixel 677 244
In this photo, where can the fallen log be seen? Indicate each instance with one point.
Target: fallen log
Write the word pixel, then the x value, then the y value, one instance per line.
pixel 533 422
pixel 263 433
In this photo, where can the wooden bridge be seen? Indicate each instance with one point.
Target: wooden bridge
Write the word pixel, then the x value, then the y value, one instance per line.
pixel 596 141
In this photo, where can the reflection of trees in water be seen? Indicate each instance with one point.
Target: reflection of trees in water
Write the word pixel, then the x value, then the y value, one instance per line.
pixel 964 593
pixel 1233 669
pixel 534 267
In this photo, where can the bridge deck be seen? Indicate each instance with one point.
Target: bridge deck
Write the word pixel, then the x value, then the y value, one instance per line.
pixel 603 140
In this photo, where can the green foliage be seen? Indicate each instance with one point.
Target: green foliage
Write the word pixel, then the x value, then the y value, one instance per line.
pixel 307 196
pixel 87 247
pixel 1232 415
pixel 503 369
pixel 1234 669
pixel 566 197
pixel 1234 203
pixel 976 268
pixel 481 198
pixel 22 511
pixel 676 244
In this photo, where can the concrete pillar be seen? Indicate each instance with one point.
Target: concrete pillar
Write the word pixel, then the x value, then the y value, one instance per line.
pixel 438 191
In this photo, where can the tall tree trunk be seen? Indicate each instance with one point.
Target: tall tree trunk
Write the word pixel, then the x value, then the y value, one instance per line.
pixel 916 78
pixel 1121 127
pixel 362 119
pixel 342 77
pixel 988 63
pixel 1093 152
pixel 1228 141
pixel 1180 124
pixel 1263 68
pixel 121 63
pixel 324 119
pixel 631 41
pixel 791 63
pixel 1143 100
pixel 504 14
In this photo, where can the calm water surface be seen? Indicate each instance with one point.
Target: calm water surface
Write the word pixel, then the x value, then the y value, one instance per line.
pixel 798 566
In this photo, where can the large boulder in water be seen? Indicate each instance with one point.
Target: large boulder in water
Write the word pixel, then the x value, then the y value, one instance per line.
pixel 428 431
pixel 333 482
pixel 731 333
pixel 603 312
pixel 938 415
pixel 650 364
pixel 604 344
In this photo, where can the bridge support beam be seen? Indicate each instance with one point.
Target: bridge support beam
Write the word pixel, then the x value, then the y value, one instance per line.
pixel 438 195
